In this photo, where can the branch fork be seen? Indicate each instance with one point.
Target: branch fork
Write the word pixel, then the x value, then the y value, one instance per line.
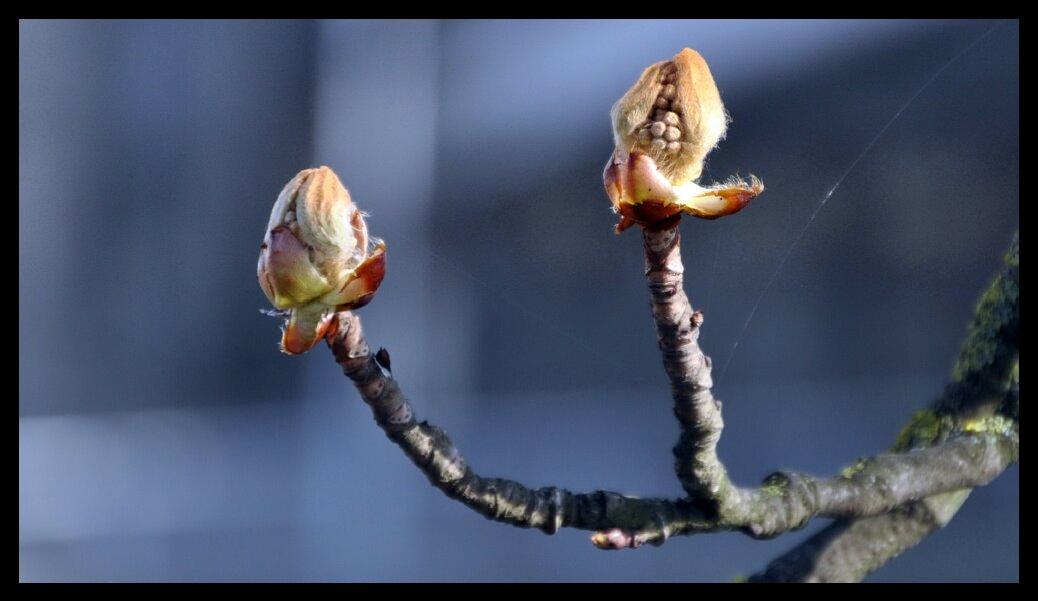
pixel 896 487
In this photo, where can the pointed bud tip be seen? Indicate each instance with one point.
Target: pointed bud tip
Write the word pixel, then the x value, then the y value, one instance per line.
pixel 688 54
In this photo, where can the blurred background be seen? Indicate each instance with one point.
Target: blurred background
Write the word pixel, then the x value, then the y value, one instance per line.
pixel 162 436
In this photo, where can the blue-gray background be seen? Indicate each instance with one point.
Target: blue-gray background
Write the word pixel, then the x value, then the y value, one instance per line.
pixel 163 437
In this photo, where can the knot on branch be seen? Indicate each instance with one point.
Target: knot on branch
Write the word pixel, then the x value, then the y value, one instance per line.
pixel 785 501
pixel 510 502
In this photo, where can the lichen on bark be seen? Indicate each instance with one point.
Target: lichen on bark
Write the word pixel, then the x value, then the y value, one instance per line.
pixel 983 397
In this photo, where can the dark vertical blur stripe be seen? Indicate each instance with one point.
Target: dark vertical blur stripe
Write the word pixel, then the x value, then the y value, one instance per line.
pixel 149 153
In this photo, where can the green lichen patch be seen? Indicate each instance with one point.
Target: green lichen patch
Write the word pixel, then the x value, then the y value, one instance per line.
pixel 849 471
pixel 775 484
pixel 1010 406
pixel 925 428
pixel 991 339
pixel 995 424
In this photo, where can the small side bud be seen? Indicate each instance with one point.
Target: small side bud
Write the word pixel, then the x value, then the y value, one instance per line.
pixel 614 539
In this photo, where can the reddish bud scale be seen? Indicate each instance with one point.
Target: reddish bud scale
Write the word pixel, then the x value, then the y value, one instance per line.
pixel 641 195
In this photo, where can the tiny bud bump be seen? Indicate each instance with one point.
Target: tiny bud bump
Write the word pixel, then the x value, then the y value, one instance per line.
pixel 382 358
pixel 657 129
pixel 671 118
pixel 674 147
pixel 669 91
pixel 659 144
pixel 672 134
pixel 662 103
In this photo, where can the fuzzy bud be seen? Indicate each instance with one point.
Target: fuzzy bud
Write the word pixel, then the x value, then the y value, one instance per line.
pixel 315 257
pixel 663 129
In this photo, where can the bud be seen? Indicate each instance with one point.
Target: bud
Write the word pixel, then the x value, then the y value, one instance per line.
pixel 663 128
pixel 315 257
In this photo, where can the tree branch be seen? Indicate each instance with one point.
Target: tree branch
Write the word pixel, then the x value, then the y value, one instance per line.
pixel 985 392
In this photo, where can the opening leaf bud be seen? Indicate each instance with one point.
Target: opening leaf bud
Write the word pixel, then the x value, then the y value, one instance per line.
pixel 663 129
pixel 316 257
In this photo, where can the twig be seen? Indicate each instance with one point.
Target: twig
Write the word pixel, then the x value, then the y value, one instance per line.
pixel 548 509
